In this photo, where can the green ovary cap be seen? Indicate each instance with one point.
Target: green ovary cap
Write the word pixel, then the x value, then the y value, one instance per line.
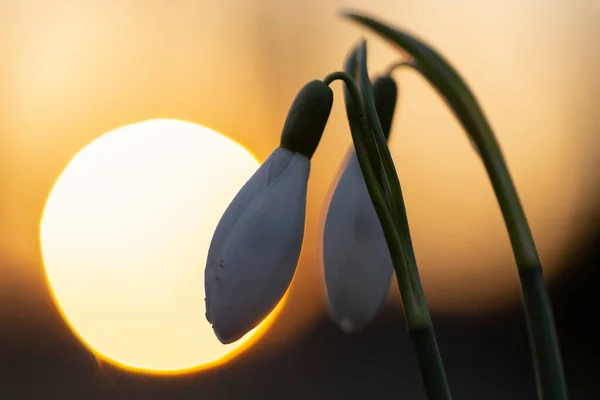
pixel 385 92
pixel 307 118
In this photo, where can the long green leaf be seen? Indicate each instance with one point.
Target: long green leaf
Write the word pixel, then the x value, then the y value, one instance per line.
pixel 452 87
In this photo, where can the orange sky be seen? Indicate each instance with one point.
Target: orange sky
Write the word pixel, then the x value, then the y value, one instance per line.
pixel 72 70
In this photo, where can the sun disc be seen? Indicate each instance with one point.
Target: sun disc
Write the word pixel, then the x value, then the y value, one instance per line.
pixel 125 235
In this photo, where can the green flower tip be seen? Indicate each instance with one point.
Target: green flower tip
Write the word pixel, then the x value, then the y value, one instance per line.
pixel 307 118
pixel 347 13
pixel 385 92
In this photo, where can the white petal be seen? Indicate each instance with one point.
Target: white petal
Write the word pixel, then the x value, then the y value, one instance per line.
pixel 357 262
pixel 270 169
pixel 258 259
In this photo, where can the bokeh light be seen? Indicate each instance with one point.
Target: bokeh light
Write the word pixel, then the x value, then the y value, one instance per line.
pixel 125 235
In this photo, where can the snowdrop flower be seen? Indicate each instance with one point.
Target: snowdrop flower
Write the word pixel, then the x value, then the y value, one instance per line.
pixel 357 263
pixel 255 248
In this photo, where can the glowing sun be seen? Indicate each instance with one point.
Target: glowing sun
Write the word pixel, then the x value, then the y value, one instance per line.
pixel 125 235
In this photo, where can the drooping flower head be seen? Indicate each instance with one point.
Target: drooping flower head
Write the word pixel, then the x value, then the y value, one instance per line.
pixel 357 263
pixel 255 248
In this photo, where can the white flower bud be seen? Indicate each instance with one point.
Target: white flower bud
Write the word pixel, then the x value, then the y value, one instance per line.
pixel 357 263
pixel 255 248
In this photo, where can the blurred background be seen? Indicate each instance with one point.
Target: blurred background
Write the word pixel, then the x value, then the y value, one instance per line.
pixel 73 70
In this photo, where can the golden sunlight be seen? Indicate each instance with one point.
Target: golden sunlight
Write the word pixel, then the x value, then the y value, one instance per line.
pixel 125 235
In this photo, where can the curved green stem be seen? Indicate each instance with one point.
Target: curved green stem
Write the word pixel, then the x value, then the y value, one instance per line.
pixel 430 361
pixel 538 311
pixel 391 177
pixel 367 141
pixel 399 64
pixel 360 131
pixel 369 147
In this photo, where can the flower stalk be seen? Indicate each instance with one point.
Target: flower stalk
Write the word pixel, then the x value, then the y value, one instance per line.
pixel 451 86
pixel 356 260
pixel 384 190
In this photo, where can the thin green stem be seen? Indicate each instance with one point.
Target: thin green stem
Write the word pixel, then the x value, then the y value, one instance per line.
pixel 404 63
pixel 392 180
pixel 543 339
pixel 452 87
pixel 428 354
pixel 547 359
pixel 367 140
pixel 360 130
